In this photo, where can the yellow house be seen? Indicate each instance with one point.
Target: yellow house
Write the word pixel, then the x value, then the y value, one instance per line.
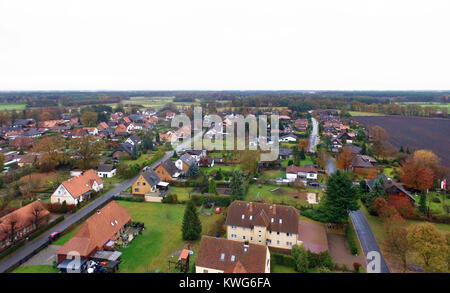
pixel 146 183
pixel 273 225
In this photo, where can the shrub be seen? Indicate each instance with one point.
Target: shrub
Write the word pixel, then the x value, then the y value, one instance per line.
pixel 220 200
pixel 435 199
pixel 284 260
pixel 171 198
pixel 132 199
pixel 404 208
pixel 356 266
pixel 351 240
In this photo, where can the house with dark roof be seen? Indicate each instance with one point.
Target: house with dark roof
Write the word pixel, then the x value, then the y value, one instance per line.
pixel 167 171
pixel 284 153
pixel 134 140
pixel 394 190
pixel 265 224
pixel 218 255
pixel 307 172
pixel 123 149
pixel 185 161
pixel 103 226
pixel 106 170
pixel 362 162
pixel 146 183
pixel 288 138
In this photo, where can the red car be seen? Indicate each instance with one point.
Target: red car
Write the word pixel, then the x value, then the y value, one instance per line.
pixel 55 235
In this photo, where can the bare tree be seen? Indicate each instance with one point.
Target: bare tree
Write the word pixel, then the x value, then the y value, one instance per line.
pixel 11 222
pixel 36 211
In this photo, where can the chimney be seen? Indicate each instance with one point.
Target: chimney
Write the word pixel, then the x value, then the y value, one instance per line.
pixel 250 208
pixel 274 209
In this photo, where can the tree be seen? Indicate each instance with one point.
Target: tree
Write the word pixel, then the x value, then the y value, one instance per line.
pixel 191 227
pixel 64 207
pixel 429 246
pixel 322 159
pixel 5 118
pixel 302 154
pixel 249 161
pixel 423 203
pixel 236 185
pixel 11 224
pixel 344 159
pixel 193 170
pixel 377 191
pixel 416 174
pixel 36 211
pixel 89 118
pixel 219 174
pixel 212 188
pixel 300 255
pixel 52 152
pixel 395 240
pixel 87 151
pixel 2 161
pixel 341 197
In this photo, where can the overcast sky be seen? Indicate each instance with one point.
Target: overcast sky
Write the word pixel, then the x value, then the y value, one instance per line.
pixel 224 45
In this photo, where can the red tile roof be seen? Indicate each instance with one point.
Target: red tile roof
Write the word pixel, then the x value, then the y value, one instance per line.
pixel 81 184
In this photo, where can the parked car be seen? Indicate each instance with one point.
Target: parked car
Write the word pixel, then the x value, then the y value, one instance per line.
pixel 55 235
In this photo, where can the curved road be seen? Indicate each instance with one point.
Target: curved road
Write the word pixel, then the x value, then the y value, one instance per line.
pixel 22 253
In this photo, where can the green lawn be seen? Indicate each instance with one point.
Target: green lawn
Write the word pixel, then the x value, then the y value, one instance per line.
pixel 140 160
pixel 424 104
pixel 10 107
pixel 435 206
pixel 283 196
pixel 282 269
pixel 36 269
pixel 230 168
pixel 181 192
pixel 67 236
pixel 161 237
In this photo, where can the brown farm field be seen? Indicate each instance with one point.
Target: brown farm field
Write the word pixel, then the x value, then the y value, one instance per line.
pixel 417 132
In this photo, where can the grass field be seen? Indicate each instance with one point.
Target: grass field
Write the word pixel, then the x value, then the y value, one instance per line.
pixel 10 107
pixel 283 195
pixel 156 103
pixel 355 113
pixel 161 237
pixel 67 236
pixel 36 269
pixel 424 104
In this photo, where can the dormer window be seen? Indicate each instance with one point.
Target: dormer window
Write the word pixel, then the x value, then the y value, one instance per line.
pixel 281 221
pixel 271 220
pixel 243 216
pixel 222 257
pixel 251 218
pixel 233 258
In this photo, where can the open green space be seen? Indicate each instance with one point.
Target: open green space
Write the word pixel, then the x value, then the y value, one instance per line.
pixel 36 269
pixel 11 107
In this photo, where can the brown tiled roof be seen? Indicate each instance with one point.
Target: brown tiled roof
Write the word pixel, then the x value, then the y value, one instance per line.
pixel 24 217
pixel 120 129
pixel 21 142
pixel 278 218
pixel 296 169
pixel 97 230
pixel 103 125
pixel 249 258
pixel 81 184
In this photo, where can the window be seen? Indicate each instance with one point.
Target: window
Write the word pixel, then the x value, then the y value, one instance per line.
pixel 278 242
pixel 233 258
pixel 139 184
pixel 136 190
pixel 143 183
pixel 233 227
pixel 233 236
pixel 222 256
pixel 205 271
pixel 278 233
pixel 243 237
pixel 288 234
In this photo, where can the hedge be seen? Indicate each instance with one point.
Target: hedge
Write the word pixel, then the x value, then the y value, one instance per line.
pixel 222 200
pixel 132 199
pixel 283 260
pixel 351 240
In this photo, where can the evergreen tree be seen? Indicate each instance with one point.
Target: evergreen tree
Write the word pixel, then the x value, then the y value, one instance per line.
pixel 407 151
pixel 191 227
pixel 212 188
pixel 401 149
pixel 219 174
pixel 237 188
pixel 64 207
pixel 157 136
pixel 341 197
pixel 364 149
pixel 302 155
pixel 193 170
pixel 376 192
pixel 423 203
pixel 134 154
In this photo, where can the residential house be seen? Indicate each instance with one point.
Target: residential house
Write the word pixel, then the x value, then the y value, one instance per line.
pixel 103 226
pixel 219 255
pixel 78 188
pixel 185 161
pixel 146 183
pixel 102 126
pixel 33 133
pixel 106 170
pixel 134 140
pixel 22 222
pixel 288 138
pixel 394 190
pixel 301 124
pixel 167 171
pixel 206 162
pixel 284 153
pixel 307 172
pixel 264 224
pixel 123 149
pixel 362 162
pixel 121 130
pixel 91 130
pixel 22 142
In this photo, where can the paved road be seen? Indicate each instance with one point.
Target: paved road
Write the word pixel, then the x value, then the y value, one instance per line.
pixel 366 237
pixel 314 137
pixel 28 249
pixel 331 165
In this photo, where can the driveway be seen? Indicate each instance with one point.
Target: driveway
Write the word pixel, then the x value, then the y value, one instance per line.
pixel 331 166
pixel 44 257
pixel 22 253
pixel 366 237
pixel 340 251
